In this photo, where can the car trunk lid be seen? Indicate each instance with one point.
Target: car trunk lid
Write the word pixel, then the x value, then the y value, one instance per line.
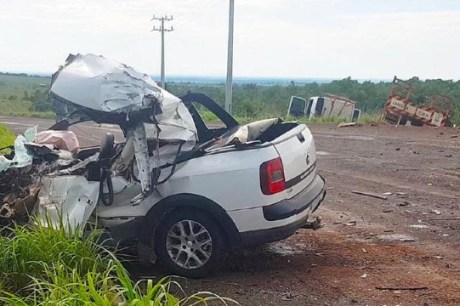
pixel 296 148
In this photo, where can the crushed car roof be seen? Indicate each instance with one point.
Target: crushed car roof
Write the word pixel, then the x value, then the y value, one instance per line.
pixel 101 84
pixel 104 88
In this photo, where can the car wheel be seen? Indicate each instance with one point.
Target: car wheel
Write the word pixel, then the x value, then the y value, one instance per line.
pixel 190 243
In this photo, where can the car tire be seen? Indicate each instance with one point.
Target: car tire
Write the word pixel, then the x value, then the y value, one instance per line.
pixel 190 243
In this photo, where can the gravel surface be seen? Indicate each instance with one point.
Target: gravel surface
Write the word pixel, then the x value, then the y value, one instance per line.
pixel 411 240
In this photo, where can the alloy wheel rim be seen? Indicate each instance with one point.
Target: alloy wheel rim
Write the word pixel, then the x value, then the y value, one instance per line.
pixel 189 244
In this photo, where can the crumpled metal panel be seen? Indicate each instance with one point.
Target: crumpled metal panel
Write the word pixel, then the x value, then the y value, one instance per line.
pixel 103 85
pixel 67 200
pixel 97 83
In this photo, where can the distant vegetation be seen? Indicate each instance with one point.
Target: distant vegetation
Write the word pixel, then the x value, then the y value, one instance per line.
pixel 27 95
pixel 24 95
pixel 255 101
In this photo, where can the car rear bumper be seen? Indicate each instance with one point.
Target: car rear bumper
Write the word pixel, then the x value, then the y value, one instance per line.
pixel 310 198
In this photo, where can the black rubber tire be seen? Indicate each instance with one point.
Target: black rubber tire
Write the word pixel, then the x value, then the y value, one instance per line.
pixel 219 248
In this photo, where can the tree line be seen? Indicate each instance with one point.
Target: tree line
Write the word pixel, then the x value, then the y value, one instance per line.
pixel 251 100
pixel 257 101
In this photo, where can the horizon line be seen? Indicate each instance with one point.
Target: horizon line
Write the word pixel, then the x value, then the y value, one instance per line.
pixel 223 77
pixel 48 74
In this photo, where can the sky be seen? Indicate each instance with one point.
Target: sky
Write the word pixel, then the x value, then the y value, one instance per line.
pixel 364 39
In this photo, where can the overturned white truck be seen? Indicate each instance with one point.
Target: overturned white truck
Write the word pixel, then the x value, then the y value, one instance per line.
pixel 175 189
pixel 325 106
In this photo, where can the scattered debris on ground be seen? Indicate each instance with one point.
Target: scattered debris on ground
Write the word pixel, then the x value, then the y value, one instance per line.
pixel 402 288
pixel 347 124
pixel 370 194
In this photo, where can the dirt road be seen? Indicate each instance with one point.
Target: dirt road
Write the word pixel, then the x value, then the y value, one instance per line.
pixel 411 240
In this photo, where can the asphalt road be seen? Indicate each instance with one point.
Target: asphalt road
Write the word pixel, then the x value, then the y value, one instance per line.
pixel 89 134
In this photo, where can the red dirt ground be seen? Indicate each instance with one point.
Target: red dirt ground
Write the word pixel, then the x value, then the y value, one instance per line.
pixel 364 242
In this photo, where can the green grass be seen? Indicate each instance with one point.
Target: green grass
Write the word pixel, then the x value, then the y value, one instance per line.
pixel 20 95
pixel 7 138
pixel 28 252
pixel 368 119
pixel 44 265
pixel 208 116
pixel 29 114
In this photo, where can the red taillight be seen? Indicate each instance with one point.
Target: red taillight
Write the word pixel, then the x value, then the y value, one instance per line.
pixel 272 176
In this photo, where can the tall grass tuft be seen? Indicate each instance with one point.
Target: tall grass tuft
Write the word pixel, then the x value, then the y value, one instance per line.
pixel 27 251
pixel 53 265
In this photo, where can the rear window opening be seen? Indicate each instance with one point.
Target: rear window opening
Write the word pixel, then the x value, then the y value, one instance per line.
pixel 276 130
pixel 258 132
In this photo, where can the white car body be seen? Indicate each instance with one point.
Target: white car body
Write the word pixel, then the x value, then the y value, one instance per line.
pixel 231 179
pixel 239 185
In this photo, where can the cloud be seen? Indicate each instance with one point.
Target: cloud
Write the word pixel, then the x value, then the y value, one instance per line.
pixel 303 38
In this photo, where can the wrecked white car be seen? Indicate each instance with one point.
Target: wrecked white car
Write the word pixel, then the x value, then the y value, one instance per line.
pixel 175 189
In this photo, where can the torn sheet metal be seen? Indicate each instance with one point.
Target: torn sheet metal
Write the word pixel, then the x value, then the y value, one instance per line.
pixel 141 152
pixel 67 200
pixel 81 165
pixel 103 85
pixel 115 93
pixel 99 84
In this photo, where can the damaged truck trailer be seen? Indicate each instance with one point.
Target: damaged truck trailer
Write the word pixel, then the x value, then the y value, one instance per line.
pixel 178 191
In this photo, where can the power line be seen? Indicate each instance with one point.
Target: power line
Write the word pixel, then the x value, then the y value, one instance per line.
pixel 162 29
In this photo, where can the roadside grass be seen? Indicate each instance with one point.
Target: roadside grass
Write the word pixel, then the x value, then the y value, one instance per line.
pixel 28 114
pixel 369 118
pixel 28 251
pixel 366 119
pixel 7 138
pixel 326 120
pixel 46 265
pixel 208 116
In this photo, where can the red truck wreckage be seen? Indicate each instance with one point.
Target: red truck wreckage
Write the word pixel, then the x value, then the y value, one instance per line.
pixel 400 109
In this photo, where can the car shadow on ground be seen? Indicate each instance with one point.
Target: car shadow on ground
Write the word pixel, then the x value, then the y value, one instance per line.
pixel 286 256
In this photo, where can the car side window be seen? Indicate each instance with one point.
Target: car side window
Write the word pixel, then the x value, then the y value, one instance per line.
pixel 209 118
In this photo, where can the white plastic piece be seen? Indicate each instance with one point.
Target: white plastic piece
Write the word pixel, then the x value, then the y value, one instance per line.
pixel 4 163
pixel 30 133
pixel 21 158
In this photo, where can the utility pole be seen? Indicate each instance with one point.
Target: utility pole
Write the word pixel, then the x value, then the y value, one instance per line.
pixel 162 30
pixel 229 85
